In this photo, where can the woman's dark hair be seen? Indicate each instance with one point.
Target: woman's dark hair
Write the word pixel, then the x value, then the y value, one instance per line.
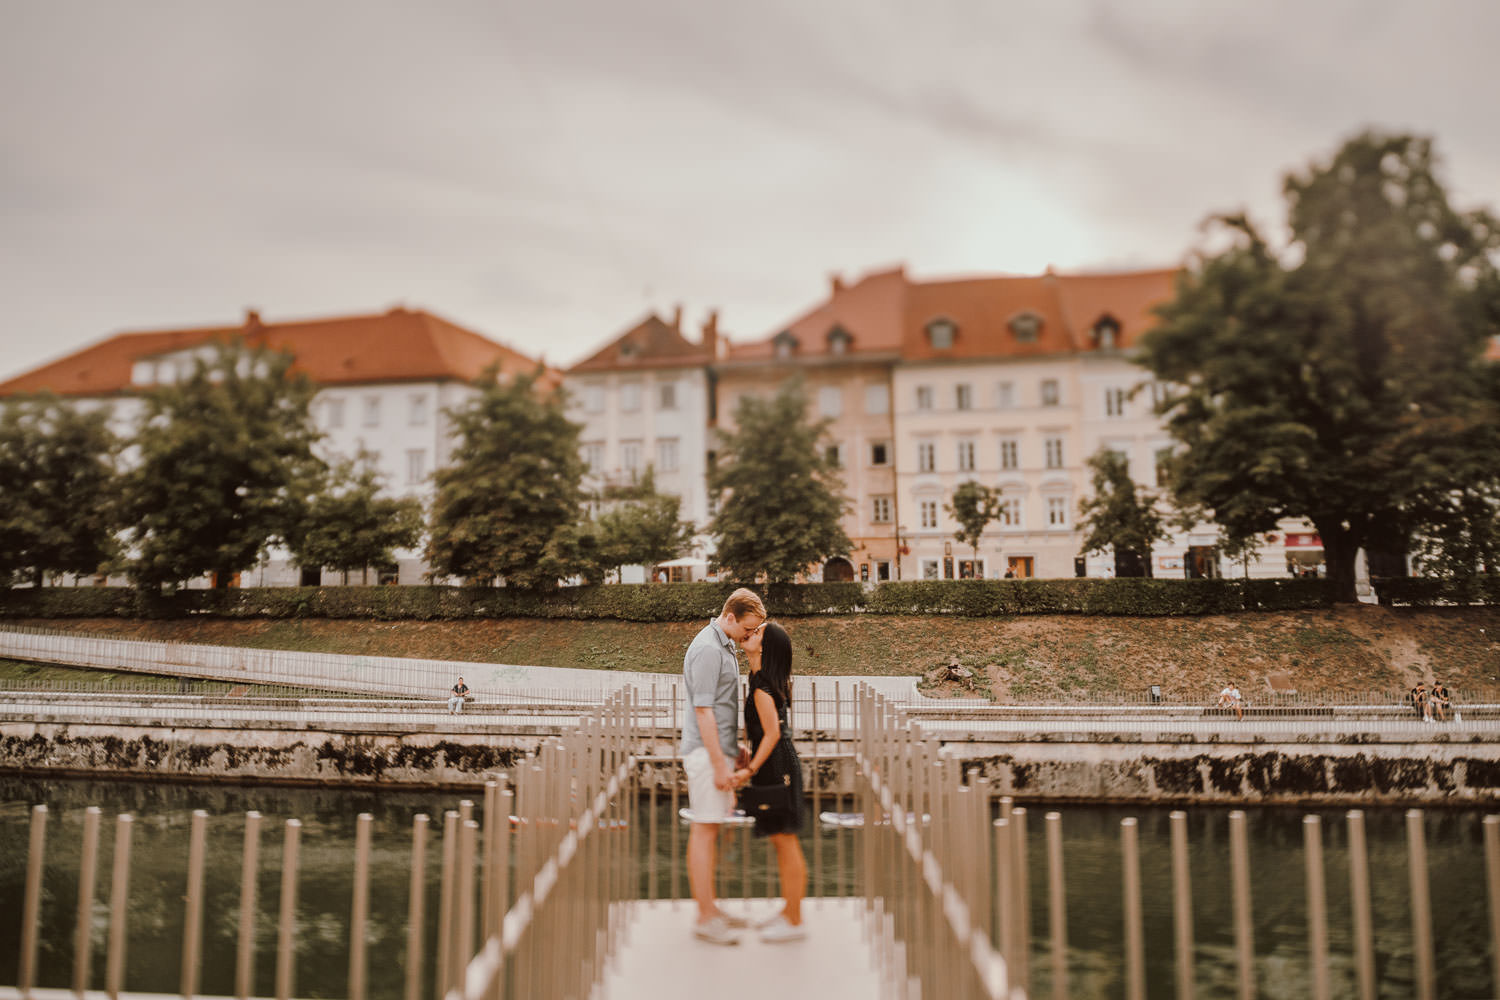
pixel 776 660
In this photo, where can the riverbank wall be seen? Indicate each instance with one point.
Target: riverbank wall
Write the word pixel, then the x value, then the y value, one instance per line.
pixel 1441 766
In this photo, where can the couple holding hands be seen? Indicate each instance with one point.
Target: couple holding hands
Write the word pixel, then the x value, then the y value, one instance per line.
pixel 718 765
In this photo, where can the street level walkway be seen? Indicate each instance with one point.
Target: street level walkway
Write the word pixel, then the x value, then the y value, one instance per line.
pixel 661 960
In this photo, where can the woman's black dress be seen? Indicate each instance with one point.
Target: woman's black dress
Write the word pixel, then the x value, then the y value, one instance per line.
pixel 782 763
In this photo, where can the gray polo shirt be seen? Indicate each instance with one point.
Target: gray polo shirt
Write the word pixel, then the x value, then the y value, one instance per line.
pixel 711 673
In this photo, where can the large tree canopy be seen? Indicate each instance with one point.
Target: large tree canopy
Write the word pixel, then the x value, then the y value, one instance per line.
pixel 781 500
pixel 508 500
pixel 1338 378
pixel 57 490
pixel 225 467
pixel 642 526
pixel 349 525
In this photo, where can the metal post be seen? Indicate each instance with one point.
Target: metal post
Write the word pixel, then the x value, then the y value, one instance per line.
pixel 1182 905
pixel 1135 946
pixel 416 899
pixel 286 952
pixel 114 961
pixel 1244 942
pixel 1492 874
pixel 1359 903
pixel 360 906
pixel 1421 905
pixel 1317 906
pixel 32 901
pixel 442 960
pixel 192 923
pixel 82 932
pixel 1057 918
pixel 249 870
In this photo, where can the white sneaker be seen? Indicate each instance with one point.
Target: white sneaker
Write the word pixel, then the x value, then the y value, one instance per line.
pixel 770 918
pixel 779 931
pixel 715 931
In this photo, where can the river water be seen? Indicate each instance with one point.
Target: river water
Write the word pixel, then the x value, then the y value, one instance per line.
pixel 1093 881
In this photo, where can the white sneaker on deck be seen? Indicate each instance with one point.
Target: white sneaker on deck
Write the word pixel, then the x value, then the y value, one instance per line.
pixel 715 930
pixel 779 931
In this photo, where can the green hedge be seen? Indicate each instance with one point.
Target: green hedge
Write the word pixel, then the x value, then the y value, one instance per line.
pixel 681 601
pixel 1426 592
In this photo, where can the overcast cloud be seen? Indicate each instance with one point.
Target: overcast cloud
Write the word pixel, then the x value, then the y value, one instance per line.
pixel 545 173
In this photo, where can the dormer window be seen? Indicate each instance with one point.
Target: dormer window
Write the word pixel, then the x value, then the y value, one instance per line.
pixel 941 333
pixel 839 340
pixel 784 344
pixel 629 350
pixel 1026 327
pixel 1106 332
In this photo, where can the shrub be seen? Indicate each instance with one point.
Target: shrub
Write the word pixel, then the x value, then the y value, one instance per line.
pixel 1426 591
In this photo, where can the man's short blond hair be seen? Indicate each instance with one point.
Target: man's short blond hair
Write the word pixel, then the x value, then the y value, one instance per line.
pixel 744 602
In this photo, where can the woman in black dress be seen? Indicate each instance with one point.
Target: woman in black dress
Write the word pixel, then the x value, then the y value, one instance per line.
pixel 773 761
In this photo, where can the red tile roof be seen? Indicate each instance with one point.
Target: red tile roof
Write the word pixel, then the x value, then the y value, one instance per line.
pixel 868 310
pixel 652 343
pixel 399 345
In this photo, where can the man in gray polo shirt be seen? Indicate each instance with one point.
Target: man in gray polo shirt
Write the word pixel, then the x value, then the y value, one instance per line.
pixel 710 749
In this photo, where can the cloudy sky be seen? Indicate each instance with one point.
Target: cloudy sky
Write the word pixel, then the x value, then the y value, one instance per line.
pixel 545 173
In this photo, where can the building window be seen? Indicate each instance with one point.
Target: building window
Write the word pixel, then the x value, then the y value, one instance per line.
pixel 1057 512
pixel 418 412
pixel 666 454
pixel 630 456
pixel 929 569
pixel 372 411
pixel 1163 467
pixel 630 397
pixel 1005 395
pixel 666 396
pixel 1026 327
pixel 880 453
pixel 834 453
pixel 1010 454
pixel 929 510
pixel 593 456
pixel 1114 402
pixel 924 397
pixel 831 401
pixel 1050 395
pixel 1054 453
pixel 416 465
pixel 926 456
pixel 941 333
pixel 963 396
pixel 880 510
pixel 785 344
pixel 1010 512
pixel 333 413
pixel 966 456
pixel 593 398
pixel 877 399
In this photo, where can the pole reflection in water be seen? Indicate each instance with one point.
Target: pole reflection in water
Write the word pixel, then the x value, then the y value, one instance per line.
pixel 1090 835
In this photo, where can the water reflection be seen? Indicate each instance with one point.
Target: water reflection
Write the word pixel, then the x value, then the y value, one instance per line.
pixel 1093 888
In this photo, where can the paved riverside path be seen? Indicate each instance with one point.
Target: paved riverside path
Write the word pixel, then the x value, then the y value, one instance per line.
pixel 661 960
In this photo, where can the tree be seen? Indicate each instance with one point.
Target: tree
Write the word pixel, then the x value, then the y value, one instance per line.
pixel 507 500
pixel 642 526
pixel 780 498
pixel 974 506
pixel 57 490
pixel 225 467
pixel 1119 515
pixel 349 525
pixel 1338 379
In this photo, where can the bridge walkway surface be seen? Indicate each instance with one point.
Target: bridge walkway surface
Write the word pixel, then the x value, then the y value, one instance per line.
pixel 661 960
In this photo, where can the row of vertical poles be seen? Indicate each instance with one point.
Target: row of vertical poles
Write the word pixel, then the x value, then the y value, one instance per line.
pixel 927 919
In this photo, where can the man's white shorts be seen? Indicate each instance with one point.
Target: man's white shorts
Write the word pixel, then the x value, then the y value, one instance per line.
pixel 708 803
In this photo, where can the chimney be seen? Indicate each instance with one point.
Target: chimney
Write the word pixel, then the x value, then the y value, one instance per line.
pixel 677 317
pixel 836 280
pixel 252 319
pixel 711 333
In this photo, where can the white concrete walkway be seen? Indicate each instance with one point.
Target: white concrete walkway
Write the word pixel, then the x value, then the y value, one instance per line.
pixel 661 960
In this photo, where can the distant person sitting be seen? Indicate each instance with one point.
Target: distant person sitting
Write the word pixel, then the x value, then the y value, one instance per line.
pixel 459 693
pixel 1419 702
pixel 1440 700
pixel 1230 698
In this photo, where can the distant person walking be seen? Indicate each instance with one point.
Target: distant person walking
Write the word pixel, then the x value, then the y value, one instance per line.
pixel 459 692
pixel 711 751
pixel 1230 697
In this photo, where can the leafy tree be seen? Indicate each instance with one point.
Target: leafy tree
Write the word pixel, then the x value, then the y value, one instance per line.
pixel 643 526
pixel 508 499
pixel 974 506
pixel 1120 515
pixel 57 489
pixel 1340 378
pixel 780 495
pixel 349 525
pixel 225 467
